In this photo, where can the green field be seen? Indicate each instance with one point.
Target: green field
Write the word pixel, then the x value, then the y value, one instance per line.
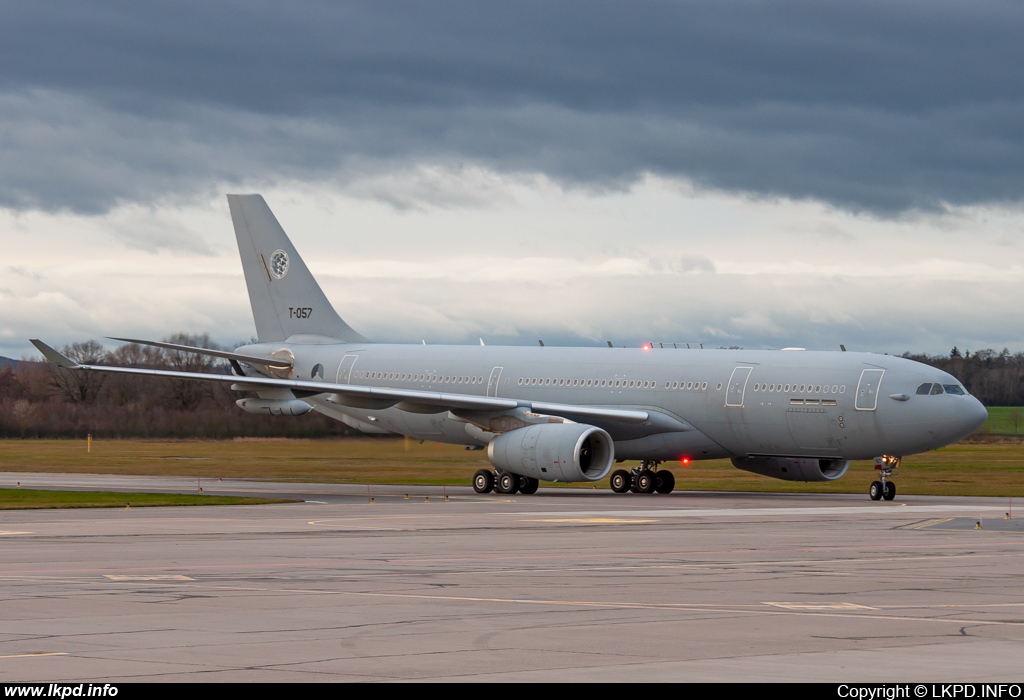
pixel 12 499
pixel 1001 421
pixel 976 468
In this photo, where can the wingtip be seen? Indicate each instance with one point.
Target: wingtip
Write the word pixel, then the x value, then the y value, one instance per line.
pixel 54 356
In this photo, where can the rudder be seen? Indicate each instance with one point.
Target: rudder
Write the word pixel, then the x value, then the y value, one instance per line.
pixel 285 298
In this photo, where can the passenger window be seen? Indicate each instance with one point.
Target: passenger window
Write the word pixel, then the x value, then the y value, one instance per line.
pixel 936 389
pixel 924 389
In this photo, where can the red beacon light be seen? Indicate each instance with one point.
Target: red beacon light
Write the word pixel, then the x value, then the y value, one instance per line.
pixel 685 461
pixel 647 346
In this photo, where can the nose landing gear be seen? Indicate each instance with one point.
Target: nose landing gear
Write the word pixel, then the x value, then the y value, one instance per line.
pixel 883 488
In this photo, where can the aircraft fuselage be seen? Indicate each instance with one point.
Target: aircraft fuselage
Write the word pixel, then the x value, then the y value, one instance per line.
pixel 704 404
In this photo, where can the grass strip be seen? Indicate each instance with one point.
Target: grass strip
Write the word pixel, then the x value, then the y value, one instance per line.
pixel 14 499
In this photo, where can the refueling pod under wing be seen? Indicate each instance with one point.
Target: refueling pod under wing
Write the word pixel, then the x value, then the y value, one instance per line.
pixel 275 407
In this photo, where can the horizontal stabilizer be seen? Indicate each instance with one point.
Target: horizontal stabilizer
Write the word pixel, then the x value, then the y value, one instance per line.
pixel 275 362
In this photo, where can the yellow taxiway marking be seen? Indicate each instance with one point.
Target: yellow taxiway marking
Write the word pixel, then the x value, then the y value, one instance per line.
pixel 587 520
pixel 819 606
pixel 927 523
pixel 154 577
pixel 44 653
pixel 14 532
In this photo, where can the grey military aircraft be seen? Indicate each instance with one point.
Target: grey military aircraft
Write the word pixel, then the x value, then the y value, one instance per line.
pixel 569 414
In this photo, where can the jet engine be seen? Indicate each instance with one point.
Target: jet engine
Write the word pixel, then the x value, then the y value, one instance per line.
pixel 275 407
pixel 554 452
pixel 794 468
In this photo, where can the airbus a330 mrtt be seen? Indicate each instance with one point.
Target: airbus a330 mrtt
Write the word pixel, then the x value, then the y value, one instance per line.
pixel 568 414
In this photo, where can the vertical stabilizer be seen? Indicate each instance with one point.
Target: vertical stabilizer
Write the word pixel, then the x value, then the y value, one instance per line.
pixel 285 298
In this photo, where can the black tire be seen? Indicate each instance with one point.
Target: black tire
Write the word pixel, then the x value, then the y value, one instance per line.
pixel 621 481
pixel 875 491
pixel 507 484
pixel 890 491
pixel 644 481
pixel 528 485
pixel 666 481
pixel 483 481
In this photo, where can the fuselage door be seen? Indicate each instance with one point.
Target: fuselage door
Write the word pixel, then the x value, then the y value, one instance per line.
pixel 492 382
pixel 867 389
pixel 737 386
pixel 345 369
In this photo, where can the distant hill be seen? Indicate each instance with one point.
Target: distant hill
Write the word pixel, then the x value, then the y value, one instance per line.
pixel 6 362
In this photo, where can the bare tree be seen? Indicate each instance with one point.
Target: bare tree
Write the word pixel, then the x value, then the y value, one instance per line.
pixel 185 394
pixel 77 386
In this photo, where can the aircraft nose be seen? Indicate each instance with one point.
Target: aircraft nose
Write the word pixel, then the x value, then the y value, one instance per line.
pixel 973 416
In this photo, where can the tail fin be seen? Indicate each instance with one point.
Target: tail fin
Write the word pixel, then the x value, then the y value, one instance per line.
pixel 285 298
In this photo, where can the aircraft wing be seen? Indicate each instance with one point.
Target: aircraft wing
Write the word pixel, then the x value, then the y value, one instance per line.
pixel 384 395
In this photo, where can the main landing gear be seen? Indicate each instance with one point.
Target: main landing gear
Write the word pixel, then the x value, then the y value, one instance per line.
pixel 643 479
pixel 883 488
pixel 485 481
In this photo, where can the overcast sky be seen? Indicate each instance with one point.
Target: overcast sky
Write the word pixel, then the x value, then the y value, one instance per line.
pixel 734 173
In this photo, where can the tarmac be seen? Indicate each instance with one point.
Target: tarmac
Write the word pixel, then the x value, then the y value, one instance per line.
pixel 442 584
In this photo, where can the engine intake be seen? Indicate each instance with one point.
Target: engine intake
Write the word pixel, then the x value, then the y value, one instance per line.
pixel 794 468
pixel 554 452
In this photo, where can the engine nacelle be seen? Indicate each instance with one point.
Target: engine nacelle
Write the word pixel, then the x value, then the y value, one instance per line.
pixel 794 468
pixel 554 452
pixel 275 407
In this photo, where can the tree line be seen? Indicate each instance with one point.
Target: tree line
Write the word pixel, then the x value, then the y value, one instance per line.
pixel 995 378
pixel 40 400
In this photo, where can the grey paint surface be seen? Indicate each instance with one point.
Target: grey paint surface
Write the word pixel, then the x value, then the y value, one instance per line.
pixel 569 584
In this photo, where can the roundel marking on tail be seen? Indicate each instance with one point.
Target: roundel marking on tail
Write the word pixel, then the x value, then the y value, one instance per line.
pixel 279 264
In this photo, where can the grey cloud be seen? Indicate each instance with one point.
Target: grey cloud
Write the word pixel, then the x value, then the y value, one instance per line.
pixel 869 106
pixel 683 264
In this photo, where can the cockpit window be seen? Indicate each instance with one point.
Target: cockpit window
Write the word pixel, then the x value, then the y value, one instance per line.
pixel 953 389
pixel 936 389
pixel 924 389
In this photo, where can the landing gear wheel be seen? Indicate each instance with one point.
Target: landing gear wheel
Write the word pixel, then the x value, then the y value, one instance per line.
pixel 528 485
pixel 507 484
pixel 889 491
pixel 664 482
pixel 644 480
pixel 621 481
pixel 483 481
pixel 876 491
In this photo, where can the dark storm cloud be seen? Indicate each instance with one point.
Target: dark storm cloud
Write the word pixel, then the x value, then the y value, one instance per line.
pixel 878 106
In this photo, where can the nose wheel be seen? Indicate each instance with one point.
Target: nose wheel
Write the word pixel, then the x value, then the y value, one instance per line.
pixel 883 488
